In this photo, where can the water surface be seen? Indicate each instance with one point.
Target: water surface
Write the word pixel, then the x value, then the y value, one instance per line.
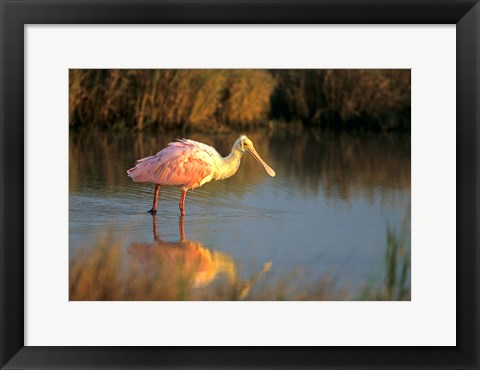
pixel 326 211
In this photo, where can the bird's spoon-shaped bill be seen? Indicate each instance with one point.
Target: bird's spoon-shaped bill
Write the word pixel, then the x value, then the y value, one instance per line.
pixel 255 155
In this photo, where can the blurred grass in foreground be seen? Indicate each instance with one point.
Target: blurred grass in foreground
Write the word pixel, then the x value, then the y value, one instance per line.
pixel 186 270
pixel 396 283
pixel 219 99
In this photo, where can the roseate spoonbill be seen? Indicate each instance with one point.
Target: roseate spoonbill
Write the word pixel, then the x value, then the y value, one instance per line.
pixel 190 164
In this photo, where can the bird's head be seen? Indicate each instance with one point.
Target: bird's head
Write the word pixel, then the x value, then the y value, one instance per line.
pixel 244 144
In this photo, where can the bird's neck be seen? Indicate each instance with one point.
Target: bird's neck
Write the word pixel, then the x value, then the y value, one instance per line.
pixel 229 164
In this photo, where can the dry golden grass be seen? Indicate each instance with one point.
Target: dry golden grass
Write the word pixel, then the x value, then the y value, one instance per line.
pixel 206 100
pixel 169 98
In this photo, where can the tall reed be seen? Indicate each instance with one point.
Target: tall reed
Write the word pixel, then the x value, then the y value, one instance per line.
pixel 374 98
pixel 216 99
pixel 397 259
pixel 169 99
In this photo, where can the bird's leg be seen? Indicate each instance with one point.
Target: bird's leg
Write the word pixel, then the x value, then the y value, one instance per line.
pixel 182 202
pixel 155 198
pixel 181 228
pixel 155 228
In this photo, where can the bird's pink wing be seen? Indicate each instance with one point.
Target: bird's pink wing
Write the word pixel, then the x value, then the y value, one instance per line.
pixel 184 163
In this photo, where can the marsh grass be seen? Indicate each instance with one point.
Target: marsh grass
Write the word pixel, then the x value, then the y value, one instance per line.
pixel 396 280
pixel 169 99
pixel 367 98
pixel 217 100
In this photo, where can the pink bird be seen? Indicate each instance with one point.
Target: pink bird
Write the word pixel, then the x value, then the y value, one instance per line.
pixel 190 164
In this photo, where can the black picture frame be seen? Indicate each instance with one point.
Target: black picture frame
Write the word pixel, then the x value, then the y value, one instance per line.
pixel 15 14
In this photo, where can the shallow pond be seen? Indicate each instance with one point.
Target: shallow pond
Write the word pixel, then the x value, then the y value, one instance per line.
pixel 326 212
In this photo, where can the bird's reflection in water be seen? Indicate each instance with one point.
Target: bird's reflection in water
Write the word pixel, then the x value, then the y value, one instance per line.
pixel 190 260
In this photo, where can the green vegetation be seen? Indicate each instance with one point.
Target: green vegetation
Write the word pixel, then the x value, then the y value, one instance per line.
pixel 396 282
pixel 217 100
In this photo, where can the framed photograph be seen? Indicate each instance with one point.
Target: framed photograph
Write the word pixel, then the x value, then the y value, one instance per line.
pixel 239 184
